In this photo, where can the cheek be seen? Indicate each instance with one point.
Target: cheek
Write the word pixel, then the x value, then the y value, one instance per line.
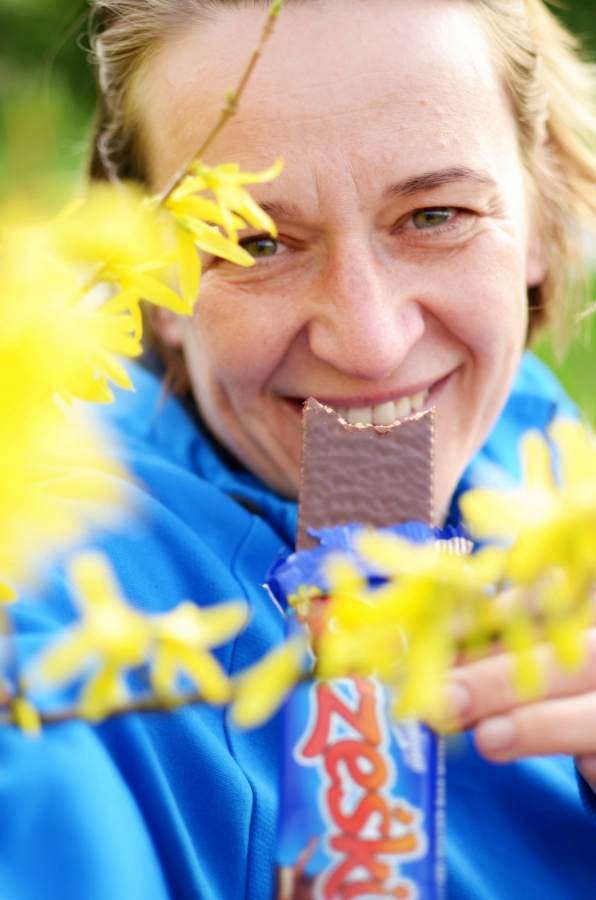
pixel 240 339
pixel 484 298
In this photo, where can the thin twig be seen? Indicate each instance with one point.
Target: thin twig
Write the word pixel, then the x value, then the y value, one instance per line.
pixel 70 715
pixel 151 704
pixel 232 101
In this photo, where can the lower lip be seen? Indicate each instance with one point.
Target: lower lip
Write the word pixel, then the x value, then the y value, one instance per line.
pixel 295 406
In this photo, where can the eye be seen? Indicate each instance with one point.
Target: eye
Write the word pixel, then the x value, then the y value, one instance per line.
pixel 430 218
pixel 262 245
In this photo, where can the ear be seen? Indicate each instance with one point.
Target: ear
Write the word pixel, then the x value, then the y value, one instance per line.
pixel 167 326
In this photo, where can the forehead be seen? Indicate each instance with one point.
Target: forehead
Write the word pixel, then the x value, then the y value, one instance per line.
pixel 343 85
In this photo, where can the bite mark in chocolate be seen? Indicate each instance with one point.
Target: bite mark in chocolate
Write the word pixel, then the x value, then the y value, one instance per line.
pixel 379 475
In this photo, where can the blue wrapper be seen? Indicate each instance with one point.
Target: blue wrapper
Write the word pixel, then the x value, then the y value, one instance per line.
pixel 362 811
pixel 306 567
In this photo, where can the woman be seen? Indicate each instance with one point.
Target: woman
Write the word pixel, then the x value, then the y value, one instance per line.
pixel 434 168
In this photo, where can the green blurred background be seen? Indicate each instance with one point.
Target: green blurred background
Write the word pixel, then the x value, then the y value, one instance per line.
pixel 47 96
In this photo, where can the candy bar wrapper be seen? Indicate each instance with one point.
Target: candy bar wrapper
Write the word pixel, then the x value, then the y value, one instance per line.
pixel 362 795
pixel 362 798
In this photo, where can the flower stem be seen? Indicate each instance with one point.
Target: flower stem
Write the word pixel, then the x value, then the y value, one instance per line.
pixel 232 101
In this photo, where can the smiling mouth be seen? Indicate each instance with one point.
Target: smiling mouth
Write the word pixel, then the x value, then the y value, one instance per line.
pixel 386 413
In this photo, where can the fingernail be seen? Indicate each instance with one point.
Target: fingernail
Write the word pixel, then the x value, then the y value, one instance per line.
pixel 496 735
pixel 458 699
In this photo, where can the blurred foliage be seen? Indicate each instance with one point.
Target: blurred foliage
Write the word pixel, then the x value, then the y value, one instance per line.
pixel 577 366
pixel 47 93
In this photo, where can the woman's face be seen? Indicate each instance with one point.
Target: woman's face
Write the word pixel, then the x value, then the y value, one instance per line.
pixel 399 276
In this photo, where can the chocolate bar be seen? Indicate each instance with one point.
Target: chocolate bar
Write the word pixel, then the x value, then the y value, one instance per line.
pixel 379 475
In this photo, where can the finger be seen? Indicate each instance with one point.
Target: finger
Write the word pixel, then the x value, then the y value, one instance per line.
pixel 565 726
pixel 486 688
pixel 586 764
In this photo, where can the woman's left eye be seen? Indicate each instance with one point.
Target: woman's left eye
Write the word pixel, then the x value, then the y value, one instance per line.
pixel 431 218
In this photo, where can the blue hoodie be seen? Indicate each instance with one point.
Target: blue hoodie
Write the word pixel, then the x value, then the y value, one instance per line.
pixel 182 805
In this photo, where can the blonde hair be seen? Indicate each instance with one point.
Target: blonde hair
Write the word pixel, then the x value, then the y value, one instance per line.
pixel 551 87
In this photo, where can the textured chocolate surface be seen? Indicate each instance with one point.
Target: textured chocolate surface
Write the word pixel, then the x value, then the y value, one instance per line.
pixel 379 475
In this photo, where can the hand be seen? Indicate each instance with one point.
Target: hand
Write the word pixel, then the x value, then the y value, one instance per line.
pixel 480 695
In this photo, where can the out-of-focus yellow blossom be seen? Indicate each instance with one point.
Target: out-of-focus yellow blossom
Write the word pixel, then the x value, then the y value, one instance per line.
pixel 548 521
pixel 259 691
pixel 549 526
pixel 25 716
pixel 112 640
pixel 408 630
pixel 54 481
pixel 7 594
pixel 55 346
pixel 182 638
pixel 114 235
pixel 56 339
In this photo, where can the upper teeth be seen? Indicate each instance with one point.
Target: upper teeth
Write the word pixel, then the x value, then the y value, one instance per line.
pixel 384 413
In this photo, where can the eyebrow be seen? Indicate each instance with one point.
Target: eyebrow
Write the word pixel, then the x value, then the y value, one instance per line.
pixel 418 183
pixel 431 180
pixel 281 210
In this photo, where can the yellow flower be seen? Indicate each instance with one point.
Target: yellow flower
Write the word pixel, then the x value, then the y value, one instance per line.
pixel 260 690
pixel 550 526
pixel 112 639
pixel 55 338
pixel 113 235
pixel 547 524
pixel 182 638
pixel 199 220
pixel 408 630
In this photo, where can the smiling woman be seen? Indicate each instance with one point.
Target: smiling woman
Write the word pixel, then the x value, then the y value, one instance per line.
pixel 438 163
pixel 407 239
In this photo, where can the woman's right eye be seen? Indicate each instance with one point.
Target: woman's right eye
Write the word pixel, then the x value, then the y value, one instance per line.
pixel 261 246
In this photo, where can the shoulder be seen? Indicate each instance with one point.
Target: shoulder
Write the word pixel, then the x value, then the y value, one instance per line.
pixel 536 399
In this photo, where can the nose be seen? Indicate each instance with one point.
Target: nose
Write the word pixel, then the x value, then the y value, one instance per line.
pixel 365 321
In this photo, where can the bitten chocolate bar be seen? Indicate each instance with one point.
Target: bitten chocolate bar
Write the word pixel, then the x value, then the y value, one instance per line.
pixel 379 475
pixel 362 796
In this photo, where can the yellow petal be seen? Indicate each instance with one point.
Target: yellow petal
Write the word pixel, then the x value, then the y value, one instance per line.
pixel 93 579
pixel 26 717
pixel 94 390
pixel 189 267
pixel 260 690
pixel 577 453
pixel 260 177
pixel 211 241
pixel 62 661
pixel 201 628
pixel 154 291
pixel 105 693
pixel 113 369
pixel 536 462
pixel 7 594
pixel 343 577
pixel 206 673
pixel 243 204
pixel 194 207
